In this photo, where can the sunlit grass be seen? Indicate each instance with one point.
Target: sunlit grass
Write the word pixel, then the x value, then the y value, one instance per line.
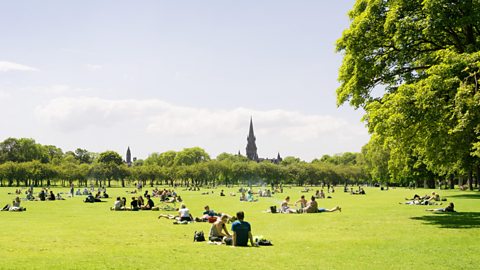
pixel 372 232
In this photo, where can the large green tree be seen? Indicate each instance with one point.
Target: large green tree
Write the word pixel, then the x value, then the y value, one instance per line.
pixel 424 56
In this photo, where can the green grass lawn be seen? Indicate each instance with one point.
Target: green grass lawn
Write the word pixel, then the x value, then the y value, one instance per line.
pixel 372 232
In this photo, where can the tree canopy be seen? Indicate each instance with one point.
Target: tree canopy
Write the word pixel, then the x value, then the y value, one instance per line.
pixel 425 57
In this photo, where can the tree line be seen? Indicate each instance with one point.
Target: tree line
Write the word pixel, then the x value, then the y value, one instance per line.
pixel 23 162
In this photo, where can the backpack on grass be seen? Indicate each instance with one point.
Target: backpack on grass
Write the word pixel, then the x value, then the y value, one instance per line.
pixel 198 236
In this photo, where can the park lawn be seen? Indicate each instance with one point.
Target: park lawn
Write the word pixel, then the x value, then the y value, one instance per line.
pixel 372 232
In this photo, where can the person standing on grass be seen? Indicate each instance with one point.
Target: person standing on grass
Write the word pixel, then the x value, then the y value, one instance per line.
pixel 242 231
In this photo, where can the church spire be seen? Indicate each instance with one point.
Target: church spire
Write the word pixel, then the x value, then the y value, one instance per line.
pixel 129 157
pixel 251 146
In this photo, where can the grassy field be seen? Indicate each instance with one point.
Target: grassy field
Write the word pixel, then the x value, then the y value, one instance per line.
pixel 372 232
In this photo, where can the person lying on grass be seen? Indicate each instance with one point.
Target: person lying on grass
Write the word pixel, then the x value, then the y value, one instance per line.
pixel 449 208
pixel 183 215
pixel 312 207
pixel 15 207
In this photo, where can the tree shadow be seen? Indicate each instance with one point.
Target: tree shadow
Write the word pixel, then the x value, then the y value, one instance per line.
pixel 465 196
pixel 455 220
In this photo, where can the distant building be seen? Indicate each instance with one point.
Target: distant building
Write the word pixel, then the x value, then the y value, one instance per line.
pixel 129 157
pixel 251 145
pixel 252 148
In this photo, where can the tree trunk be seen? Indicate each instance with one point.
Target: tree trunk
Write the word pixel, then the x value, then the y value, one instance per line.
pixel 470 179
pixel 477 179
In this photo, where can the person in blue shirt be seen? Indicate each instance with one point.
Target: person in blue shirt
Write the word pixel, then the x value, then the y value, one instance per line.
pixel 242 231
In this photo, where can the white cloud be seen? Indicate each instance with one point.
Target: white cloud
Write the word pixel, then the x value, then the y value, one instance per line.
pixel 4 95
pixel 153 121
pixel 10 66
pixel 93 67
pixel 57 89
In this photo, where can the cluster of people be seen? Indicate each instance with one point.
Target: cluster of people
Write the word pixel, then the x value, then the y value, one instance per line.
pixel 247 197
pixel 43 195
pixel 303 206
pixel 137 203
pixel 265 193
pixel 241 231
pixel 360 191
pixel 319 194
pixel 432 199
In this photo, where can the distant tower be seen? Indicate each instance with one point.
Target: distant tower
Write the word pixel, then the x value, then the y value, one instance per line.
pixel 279 159
pixel 251 146
pixel 129 157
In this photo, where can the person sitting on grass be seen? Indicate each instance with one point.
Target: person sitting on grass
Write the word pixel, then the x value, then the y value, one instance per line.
pixel 117 205
pixel 184 213
pixel 243 197
pixel 250 197
pixel 449 208
pixel 219 232
pixel 302 202
pixel 140 202
pixel 242 232
pixel 51 196
pixel 285 206
pixel 42 196
pixel 134 204
pixel 312 207
pixel 150 205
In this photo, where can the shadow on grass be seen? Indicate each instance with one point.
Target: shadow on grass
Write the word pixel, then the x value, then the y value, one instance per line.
pixel 465 196
pixel 456 220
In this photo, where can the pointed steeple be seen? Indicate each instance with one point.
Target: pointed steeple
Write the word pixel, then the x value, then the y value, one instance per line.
pixel 251 146
pixel 129 157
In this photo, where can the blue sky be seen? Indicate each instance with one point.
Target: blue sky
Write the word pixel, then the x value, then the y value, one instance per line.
pixel 165 75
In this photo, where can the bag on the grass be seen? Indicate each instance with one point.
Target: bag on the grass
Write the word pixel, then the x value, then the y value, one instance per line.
pixel 264 242
pixel 198 236
pixel 273 209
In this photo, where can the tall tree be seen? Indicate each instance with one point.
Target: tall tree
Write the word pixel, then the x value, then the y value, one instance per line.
pixel 424 54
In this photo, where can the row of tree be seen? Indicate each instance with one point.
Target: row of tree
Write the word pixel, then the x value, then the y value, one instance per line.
pixel 23 162
pixel 414 67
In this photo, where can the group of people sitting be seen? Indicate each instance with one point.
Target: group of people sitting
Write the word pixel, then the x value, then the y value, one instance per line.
pixel 319 194
pixel 360 191
pixel 302 206
pixel 241 231
pixel 247 197
pixel 137 203
pixel 97 198
pixel 43 195
pixel 432 199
